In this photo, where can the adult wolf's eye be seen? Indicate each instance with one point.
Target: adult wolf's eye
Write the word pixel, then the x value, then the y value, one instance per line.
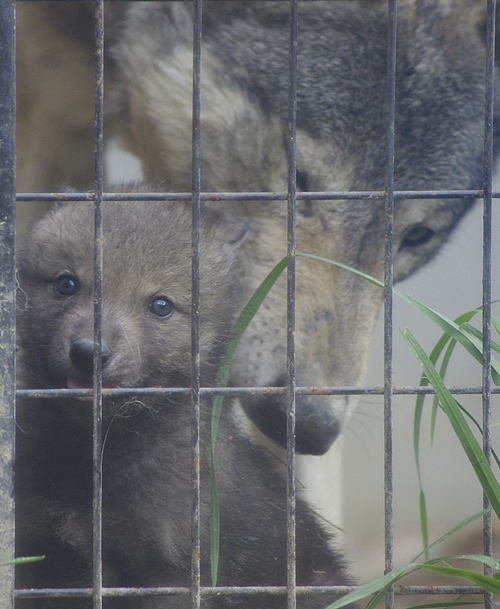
pixel 66 285
pixel 417 235
pixel 161 306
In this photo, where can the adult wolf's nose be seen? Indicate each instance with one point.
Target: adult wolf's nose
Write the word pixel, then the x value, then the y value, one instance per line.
pixel 81 355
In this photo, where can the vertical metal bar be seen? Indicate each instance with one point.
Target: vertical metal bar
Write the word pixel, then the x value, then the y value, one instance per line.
pixel 195 312
pixel 487 243
pixel 290 439
pixel 98 265
pixel 7 294
pixel 388 283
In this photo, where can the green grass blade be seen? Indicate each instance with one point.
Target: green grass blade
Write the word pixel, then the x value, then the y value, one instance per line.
pixel 494 563
pixel 20 561
pixel 480 429
pixel 239 327
pixel 214 526
pixel 417 419
pixel 469 443
pixel 462 322
pixel 495 321
pixel 461 525
pixel 479 335
pixel 472 345
pixel 377 586
pixel 423 520
pixel 442 372
pixel 486 583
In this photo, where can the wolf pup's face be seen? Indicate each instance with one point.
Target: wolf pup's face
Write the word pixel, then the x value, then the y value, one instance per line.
pixel 146 310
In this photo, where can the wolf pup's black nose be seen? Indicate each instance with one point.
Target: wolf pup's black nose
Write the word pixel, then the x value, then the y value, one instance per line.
pixel 81 355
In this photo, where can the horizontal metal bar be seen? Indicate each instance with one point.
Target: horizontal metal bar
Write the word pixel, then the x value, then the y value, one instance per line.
pixel 243 196
pixel 407 590
pixel 236 590
pixel 170 591
pixel 236 391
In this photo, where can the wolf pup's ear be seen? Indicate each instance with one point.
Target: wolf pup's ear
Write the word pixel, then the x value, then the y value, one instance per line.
pixel 234 232
pixel 65 188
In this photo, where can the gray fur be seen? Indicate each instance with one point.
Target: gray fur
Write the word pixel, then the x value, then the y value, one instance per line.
pixel 341 123
pixel 146 440
pixel 341 145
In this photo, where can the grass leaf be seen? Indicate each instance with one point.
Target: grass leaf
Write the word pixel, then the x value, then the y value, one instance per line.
pixel 495 320
pixel 486 583
pixel 461 525
pixel 214 525
pixel 20 561
pixel 239 327
pixel 451 408
pixel 377 586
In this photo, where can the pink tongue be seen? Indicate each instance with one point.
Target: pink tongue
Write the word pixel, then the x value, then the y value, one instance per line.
pixel 73 383
pixel 78 383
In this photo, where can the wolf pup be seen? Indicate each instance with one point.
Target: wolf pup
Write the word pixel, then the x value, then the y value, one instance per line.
pixel 341 146
pixel 146 334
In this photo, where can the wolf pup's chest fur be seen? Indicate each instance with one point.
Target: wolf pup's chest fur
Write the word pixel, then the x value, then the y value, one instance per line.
pixel 146 342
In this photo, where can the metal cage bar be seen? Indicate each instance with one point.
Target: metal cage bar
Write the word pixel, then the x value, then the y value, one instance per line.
pixel 98 292
pixel 487 270
pixel 292 187
pixel 388 296
pixel 7 294
pixel 195 312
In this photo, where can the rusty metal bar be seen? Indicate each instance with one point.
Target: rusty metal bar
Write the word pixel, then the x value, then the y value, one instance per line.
pixel 195 312
pixel 241 590
pixel 388 296
pixel 257 196
pixel 98 269
pixel 487 293
pixel 290 385
pixel 235 391
pixel 7 295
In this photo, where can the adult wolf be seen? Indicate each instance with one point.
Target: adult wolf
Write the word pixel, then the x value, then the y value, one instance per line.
pixel 341 123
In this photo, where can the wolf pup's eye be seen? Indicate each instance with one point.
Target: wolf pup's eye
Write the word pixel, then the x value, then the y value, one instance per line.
pixel 66 285
pixel 161 306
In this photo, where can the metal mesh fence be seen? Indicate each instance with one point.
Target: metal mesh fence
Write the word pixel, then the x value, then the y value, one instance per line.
pixel 7 326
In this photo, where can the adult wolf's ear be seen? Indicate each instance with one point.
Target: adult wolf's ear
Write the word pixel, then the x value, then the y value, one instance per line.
pixel 472 15
pixel 464 17
pixel 469 17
